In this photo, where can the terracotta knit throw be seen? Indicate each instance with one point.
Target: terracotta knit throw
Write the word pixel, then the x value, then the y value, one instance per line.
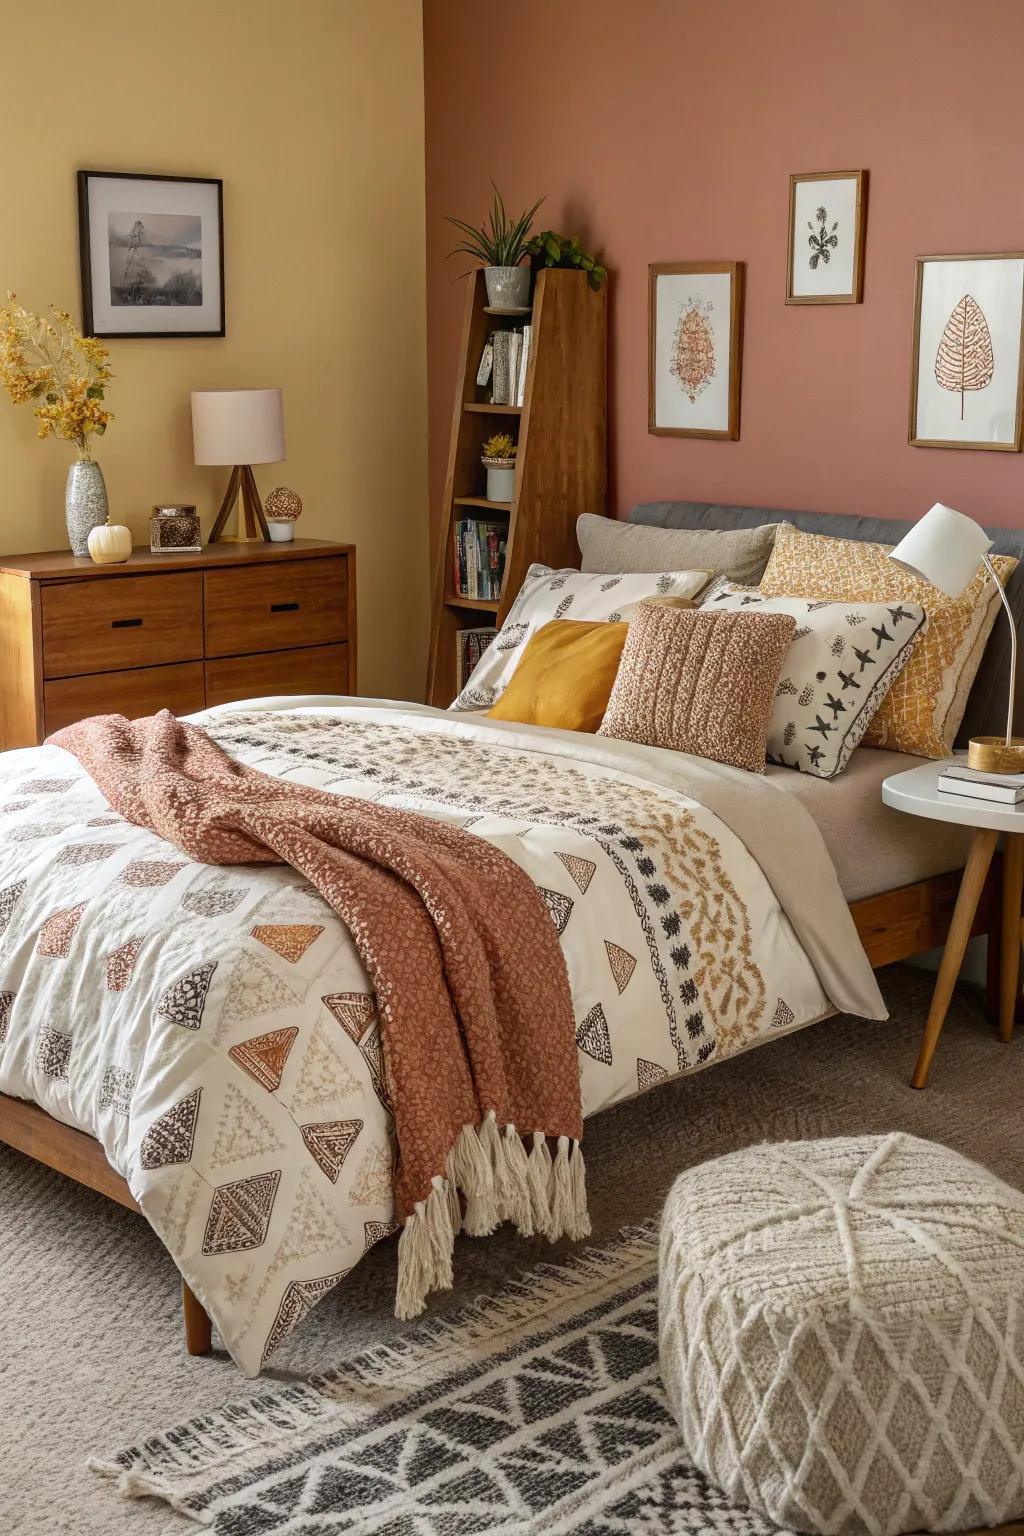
pixel 472 992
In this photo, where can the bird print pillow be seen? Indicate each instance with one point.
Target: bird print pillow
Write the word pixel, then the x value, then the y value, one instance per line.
pixel 843 660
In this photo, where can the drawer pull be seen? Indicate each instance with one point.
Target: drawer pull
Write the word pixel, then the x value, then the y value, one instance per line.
pixel 284 607
pixel 126 623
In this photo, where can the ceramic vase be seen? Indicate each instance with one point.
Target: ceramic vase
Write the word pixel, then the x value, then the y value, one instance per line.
pixel 85 503
pixel 501 480
pixel 508 287
pixel 281 529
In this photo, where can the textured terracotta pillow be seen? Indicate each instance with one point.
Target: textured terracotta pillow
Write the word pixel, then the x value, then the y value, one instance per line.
pixel 565 676
pixel 924 707
pixel 700 682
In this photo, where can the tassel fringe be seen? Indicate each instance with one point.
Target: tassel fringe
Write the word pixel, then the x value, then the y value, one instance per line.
pixel 500 1182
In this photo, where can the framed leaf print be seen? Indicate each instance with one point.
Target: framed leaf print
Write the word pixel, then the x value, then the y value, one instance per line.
pixel 694 334
pixel 965 384
pixel 827 216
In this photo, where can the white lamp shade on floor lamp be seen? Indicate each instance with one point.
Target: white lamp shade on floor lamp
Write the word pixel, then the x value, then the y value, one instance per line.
pixel 945 548
pixel 237 426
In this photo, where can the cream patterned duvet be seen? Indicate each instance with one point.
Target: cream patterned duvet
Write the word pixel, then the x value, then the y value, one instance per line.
pixel 214 1027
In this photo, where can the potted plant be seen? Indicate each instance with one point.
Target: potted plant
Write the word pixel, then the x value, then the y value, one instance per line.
pixel 50 362
pixel 500 244
pixel 499 459
pixel 549 249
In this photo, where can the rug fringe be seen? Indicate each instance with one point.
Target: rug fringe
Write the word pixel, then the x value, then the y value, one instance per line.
pixel 537 1192
pixel 183 1464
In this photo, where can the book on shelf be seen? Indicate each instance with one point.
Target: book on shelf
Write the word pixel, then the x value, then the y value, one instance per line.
pixel 470 645
pixel 503 362
pixel 478 559
pixel 524 358
pixel 974 784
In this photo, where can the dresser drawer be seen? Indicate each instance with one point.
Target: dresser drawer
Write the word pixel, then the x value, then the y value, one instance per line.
pixel 322 669
pixel 140 691
pixel 103 625
pixel 270 607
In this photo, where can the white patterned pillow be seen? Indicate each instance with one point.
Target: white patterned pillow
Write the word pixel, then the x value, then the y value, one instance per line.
pixel 548 594
pixel 841 664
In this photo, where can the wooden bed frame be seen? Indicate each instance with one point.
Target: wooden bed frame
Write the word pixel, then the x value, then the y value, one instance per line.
pixel 893 926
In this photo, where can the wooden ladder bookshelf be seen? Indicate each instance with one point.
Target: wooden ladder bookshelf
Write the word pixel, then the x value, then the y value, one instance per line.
pixel 561 462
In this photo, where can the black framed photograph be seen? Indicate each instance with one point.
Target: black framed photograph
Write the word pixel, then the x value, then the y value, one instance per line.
pixel 152 254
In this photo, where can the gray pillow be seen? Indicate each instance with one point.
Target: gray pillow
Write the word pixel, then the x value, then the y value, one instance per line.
pixel 612 548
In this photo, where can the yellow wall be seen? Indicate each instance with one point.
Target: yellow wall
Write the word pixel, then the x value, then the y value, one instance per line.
pixel 311 111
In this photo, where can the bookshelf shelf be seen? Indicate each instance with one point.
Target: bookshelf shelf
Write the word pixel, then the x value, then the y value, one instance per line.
pixel 483 604
pixel 481 501
pixel 561 463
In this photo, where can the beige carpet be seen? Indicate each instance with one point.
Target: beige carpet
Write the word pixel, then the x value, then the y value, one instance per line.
pixel 91 1355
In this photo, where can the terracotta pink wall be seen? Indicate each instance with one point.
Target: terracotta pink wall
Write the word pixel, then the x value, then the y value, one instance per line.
pixel 666 130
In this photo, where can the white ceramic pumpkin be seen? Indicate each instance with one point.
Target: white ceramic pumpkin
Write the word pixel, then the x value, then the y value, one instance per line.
pixel 110 544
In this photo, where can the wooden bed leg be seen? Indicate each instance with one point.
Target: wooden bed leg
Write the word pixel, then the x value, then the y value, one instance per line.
pixel 198 1328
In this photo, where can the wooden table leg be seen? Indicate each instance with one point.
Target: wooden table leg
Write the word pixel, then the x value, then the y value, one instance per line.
pixel 1009 949
pixel 198 1328
pixel 983 846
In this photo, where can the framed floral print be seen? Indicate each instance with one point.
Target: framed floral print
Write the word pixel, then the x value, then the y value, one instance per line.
pixel 694 333
pixel 152 254
pixel 966 377
pixel 827 220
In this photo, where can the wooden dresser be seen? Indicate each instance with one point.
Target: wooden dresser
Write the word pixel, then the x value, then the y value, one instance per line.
pixel 166 631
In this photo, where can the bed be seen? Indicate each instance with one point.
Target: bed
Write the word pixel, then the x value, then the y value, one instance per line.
pixel 260 963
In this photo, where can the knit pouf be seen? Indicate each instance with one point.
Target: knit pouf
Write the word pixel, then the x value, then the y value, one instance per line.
pixel 842 1334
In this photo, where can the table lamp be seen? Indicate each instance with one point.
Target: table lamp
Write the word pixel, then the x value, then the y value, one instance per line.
pixel 945 548
pixel 240 427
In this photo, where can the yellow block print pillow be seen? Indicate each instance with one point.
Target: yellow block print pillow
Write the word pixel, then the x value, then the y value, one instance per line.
pixel 922 711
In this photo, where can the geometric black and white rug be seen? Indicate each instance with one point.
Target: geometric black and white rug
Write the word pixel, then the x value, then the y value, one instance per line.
pixel 535 1413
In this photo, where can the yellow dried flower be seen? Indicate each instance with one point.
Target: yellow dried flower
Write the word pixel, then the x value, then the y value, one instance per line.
pixel 57 365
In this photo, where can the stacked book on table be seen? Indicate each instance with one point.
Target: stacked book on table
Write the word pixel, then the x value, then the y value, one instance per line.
pixel 971 784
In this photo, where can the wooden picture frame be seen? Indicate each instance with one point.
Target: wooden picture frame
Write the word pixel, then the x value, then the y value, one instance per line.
pixel 851 292
pixel 921 435
pixel 187 284
pixel 668 407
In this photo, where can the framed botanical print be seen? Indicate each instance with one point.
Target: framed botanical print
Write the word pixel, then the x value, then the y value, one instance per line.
pixel 827 219
pixel 965 385
pixel 152 254
pixel 694 325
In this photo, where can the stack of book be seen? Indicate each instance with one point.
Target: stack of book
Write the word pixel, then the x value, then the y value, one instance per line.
pixel 511 353
pixel 470 645
pixel 479 559
pixel 971 784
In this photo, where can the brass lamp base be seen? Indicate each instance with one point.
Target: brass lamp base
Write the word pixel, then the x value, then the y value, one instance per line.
pixel 990 754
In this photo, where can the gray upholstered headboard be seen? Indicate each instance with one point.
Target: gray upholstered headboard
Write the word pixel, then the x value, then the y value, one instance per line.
pixel 986 707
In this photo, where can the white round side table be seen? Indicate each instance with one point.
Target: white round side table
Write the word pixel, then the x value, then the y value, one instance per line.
pixel 916 792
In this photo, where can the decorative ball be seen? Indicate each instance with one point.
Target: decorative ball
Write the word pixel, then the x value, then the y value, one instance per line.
pixel 283 504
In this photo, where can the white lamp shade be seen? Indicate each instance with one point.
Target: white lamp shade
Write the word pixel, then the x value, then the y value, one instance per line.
pixel 237 426
pixel 945 548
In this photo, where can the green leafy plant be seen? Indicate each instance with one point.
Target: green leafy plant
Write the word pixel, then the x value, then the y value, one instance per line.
pixel 549 249
pixel 499 242
pixel 499 446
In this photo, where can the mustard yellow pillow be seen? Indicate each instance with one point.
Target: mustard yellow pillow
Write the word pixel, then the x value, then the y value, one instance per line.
pixel 565 675
pixel 923 709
